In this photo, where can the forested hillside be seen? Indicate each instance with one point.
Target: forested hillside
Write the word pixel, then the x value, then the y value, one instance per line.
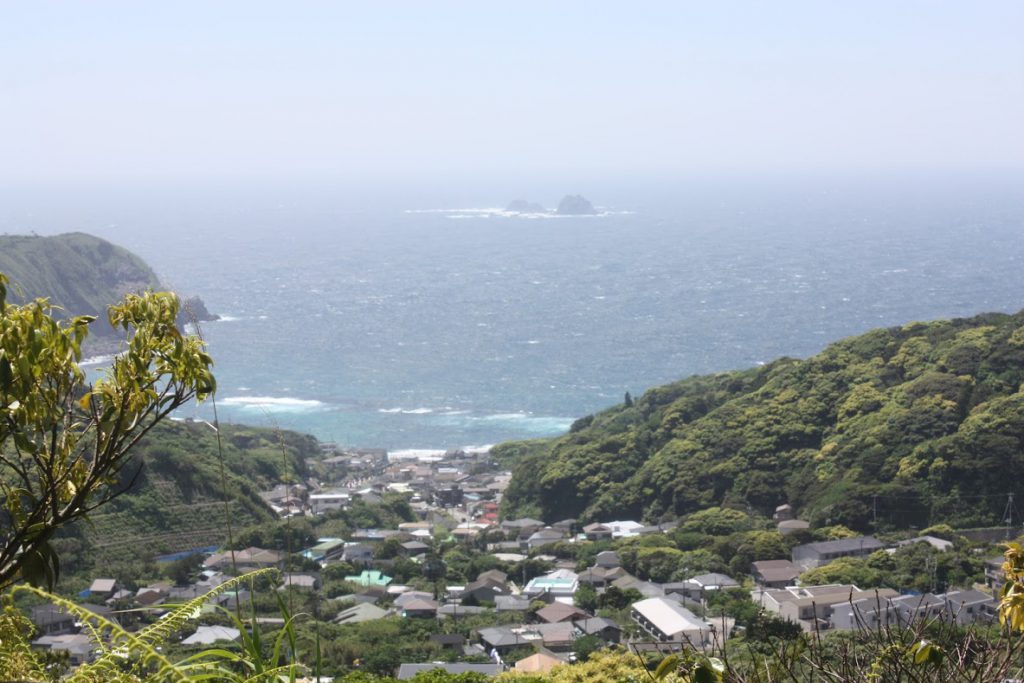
pixel 176 503
pixel 898 427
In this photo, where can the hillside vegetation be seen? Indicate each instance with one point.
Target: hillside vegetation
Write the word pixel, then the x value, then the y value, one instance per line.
pixel 177 501
pixel 906 426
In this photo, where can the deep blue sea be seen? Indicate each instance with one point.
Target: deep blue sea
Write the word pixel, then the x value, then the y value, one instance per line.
pixel 412 323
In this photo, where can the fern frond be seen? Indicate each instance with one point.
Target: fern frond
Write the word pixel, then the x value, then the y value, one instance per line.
pixel 162 630
pixel 17 660
pixel 275 674
pixel 122 643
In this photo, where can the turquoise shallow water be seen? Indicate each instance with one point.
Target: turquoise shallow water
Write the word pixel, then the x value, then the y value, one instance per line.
pixel 380 326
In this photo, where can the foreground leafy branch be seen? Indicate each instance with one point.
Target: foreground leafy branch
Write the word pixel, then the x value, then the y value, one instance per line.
pixel 64 445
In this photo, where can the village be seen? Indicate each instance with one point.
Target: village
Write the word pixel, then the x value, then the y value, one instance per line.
pixel 552 591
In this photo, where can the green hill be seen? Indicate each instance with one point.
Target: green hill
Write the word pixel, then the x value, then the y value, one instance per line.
pixel 80 273
pixel 176 502
pixel 898 427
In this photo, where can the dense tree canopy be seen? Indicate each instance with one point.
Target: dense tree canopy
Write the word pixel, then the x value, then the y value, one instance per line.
pixel 899 427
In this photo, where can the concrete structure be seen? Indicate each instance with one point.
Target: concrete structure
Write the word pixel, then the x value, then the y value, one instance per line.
pixel 208 635
pixel 319 503
pixel 812 606
pixel 669 621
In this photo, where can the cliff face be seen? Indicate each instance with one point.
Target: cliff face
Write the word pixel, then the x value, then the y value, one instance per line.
pixel 80 273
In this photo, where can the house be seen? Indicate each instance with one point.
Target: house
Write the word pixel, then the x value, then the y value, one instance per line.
pixel 414 548
pixel 811 555
pixel 607 559
pixel 407 671
pixel 303 581
pixel 52 620
pixel 559 611
pixel 358 613
pixel 357 553
pixel 502 639
pixel 783 513
pixel 560 583
pixel 325 550
pixel 495 575
pixel 409 596
pixel 995 577
pixel 450 641
pixel 939 544
pixel 319 503
pixel 597 532
pixel 419 608
pixel 812 606
pixel 78 646
pixel 599 577
pixel 645 588
pixel 625 528
pixel 605 629
pixel 244 560
pixel 874 612
pixel 208 635
pixel 542 537
pixel 775 573
pixel 482 591
pixel 669 621
pixel 967 606
pixel 514 528
pixel 538 663
pixel 103 588
pixel 455 610
pixel 511 603
pixel 791 526
pixel 153 594
pixel 566 526
pixel 699 586
pixel 370 578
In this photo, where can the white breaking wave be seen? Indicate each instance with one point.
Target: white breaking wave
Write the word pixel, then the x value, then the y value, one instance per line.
pixel 280 403
pixel 416 454
pixel 97 360
pixel 505 213
pixel 404 411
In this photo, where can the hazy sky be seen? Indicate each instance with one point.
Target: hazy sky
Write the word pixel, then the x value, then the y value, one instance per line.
pixel 113 90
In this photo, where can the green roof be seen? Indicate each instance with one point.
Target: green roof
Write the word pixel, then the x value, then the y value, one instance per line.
pixel 370 578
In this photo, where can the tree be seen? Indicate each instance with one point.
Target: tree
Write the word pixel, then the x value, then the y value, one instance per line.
pixel 586 597
pixel 64 444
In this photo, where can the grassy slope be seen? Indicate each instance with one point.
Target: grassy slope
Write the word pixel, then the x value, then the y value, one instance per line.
pixel 177 503
pixel 922 423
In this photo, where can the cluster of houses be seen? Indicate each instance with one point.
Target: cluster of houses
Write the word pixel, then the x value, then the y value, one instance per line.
pixel 458 481
pixel 458 494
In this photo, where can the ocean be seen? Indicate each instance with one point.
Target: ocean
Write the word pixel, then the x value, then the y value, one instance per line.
pixel 423 323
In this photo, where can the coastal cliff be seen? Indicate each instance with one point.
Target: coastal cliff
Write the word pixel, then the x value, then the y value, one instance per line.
pixel 81 274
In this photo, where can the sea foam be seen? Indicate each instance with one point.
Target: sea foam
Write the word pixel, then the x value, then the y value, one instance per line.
pixel 279 403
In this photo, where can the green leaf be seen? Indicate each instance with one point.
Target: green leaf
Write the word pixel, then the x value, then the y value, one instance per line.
pixel 667 666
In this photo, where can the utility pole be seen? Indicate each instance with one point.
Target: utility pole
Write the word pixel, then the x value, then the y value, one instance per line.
pixel 874 511
pixel 1008 515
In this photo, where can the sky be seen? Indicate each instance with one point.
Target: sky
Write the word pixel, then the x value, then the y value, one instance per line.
pixel 111 91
